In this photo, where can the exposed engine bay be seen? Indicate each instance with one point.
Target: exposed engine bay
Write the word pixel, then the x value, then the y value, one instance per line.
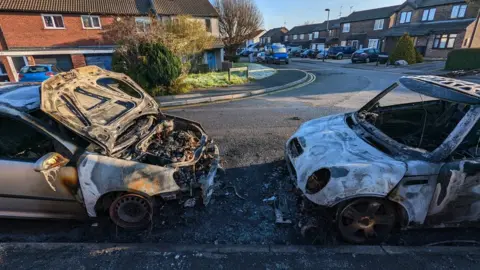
pixel 423 125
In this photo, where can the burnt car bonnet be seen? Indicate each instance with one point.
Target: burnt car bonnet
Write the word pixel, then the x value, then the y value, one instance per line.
pixel 98 112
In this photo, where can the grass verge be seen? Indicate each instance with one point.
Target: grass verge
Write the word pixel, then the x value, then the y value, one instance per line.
pixel 213 79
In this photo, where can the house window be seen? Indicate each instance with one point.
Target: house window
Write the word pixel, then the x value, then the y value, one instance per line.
pixel 143 24
pixel 295 37
pixel 346 27
pixel 373 43
pixel 429 14
pixel 302 36
pixel 444 41
pixel 269 39
pixel 405 17
pixel 330 33
pixel 316 34
pixel 310 36
pixel 53 21
pixel 458 11
pixel 343 43
pixel 208 25
pixel 286 38
pixel 378 24
pixel 91 22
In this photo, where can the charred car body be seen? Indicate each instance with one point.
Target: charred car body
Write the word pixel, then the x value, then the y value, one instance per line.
pixel 92 142
pixel 409 157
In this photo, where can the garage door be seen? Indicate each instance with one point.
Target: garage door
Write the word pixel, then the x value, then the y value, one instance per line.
pixel 101 60
pixel 62 62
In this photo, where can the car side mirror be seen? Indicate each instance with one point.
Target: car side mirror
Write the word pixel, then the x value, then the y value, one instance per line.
pixel 50 161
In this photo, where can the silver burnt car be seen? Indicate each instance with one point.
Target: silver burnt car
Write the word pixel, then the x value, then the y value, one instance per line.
pixel 409 158
pixel 89 143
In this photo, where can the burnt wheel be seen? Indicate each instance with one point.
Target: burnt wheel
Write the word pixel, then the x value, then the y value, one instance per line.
pixel 366 221
pixel 131 211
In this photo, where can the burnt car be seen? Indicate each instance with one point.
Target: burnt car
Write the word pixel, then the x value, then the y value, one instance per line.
pixel 92 143
pixel 409 158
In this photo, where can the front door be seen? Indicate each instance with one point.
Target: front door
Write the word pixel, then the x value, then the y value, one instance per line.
pixel 212 63
pixel 25 192
pixel 355 44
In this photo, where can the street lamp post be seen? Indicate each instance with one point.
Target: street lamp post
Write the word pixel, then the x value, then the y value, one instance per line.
pixel 328 32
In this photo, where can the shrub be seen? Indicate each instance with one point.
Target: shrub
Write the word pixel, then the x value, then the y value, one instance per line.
pixel 464 59
pixel 151 65
pixel 404 50
pixel 418 57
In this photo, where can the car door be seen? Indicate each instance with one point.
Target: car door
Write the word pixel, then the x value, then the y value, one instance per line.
pixel 24 189
pixel 374 53
pixel 456 198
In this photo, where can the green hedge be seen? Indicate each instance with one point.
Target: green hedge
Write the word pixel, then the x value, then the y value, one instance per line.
pixel 463 59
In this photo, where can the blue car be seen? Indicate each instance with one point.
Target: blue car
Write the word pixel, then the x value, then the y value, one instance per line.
pixel 37 73
pixel 277 53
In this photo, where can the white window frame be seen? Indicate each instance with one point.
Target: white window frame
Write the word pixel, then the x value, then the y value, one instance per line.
pixel 428 14
pixel 346 29
pixel 295 37
pixel 52 15
pixel 269 39
pixel 343 43
pixel 144 20
pixel 406 17
pixel 316 34
pixel 286 38
pixel 458 11
pixel 310 36
pixel 91 21
pixel 379 24
pixel 302 36
pixel 373 41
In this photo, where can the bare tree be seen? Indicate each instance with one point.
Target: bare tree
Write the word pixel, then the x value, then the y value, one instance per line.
pixel 238 20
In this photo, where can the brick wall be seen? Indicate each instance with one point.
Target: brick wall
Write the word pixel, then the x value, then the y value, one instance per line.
pixel 78 60
pixel 364 27
pixel 468 36
pixel 27 30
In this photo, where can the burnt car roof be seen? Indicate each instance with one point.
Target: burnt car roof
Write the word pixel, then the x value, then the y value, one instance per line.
pixel 24 97
pixel 444 88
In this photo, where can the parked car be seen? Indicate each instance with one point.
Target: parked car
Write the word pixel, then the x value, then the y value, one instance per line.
pixel 92 143
pixel 309 53
pixel 240 51
pixel 295 51
pixel 408 158
pixel 277 53
pixel 366 55
pixel 322 54
pixel 37 73
pixel 261 57
pixel 340 52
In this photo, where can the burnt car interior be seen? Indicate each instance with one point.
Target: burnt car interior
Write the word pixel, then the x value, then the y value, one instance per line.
pixel 423 125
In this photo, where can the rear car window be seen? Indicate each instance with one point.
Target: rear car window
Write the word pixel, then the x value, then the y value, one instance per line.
pixel 34 69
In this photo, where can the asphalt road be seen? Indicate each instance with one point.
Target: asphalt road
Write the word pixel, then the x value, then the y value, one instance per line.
pixel 251 135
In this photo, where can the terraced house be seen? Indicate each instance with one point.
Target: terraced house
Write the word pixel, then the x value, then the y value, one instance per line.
pixel 438 26
pixel 70 33
pixel 366 29
pixel 274 35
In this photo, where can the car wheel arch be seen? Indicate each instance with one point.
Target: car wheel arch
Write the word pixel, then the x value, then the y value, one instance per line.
pixel 104 202
pixel 402 217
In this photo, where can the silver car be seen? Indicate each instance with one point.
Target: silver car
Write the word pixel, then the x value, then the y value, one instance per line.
pixel 409 158
pixel 90 143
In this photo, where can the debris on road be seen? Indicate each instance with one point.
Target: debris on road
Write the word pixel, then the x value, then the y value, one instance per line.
pixel 190 203
pixel 279 219
pixel 271 199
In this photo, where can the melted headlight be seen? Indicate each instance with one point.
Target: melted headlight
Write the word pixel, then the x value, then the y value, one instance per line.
pixel 317 181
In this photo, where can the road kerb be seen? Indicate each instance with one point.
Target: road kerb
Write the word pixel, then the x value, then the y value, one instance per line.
pixel 234 249
pixel 176 103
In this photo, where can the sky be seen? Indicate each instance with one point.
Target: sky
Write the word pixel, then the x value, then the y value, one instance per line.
pixel 297 12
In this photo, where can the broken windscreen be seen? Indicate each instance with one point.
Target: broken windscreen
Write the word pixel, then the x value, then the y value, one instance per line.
pixel 414 119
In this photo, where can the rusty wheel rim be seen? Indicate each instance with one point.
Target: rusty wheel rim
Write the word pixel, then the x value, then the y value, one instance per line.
pixel 366 220
pixel 131 211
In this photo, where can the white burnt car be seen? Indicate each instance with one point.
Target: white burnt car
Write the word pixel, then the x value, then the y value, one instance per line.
pixel 90 142
pixel 410 157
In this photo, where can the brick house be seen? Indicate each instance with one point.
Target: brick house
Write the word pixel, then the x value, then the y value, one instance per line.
pixel 437 26
pixel 70 33
pixel 275 35
pixel 303 36
pixel 328 34
pixel 367 28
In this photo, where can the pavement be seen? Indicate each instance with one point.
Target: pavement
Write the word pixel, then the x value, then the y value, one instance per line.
pixel 158 256
pixel 251 134
pixel 281 79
